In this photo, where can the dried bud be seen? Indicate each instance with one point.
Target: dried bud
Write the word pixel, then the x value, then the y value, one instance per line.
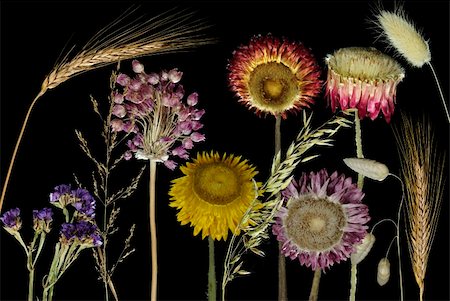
pixel 384 271
pixel 137 66
pixel 368 168
pixel 363 249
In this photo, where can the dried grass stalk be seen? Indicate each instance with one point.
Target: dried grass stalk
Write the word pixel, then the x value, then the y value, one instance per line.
pixel 423 172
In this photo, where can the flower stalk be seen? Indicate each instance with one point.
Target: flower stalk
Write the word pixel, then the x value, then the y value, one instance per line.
pixel 212 284
pixel 153 236
pixel 282 283
pixel 314 294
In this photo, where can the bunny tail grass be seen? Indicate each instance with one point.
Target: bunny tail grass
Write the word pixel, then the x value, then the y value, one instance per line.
pixel 402 35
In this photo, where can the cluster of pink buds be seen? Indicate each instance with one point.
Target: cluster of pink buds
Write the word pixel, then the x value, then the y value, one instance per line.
pixel 150 108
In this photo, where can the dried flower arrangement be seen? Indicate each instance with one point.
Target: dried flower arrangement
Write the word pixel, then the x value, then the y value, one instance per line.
pixel 277 202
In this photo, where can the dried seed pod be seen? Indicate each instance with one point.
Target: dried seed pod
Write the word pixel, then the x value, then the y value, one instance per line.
pixel 384 271
pixel 363 249
pixel 368 168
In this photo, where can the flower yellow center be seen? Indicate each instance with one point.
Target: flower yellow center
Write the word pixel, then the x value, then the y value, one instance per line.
pixel 315 224
pixel 216 183
pixel 273 87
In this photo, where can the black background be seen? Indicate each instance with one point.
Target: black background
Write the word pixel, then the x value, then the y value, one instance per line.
pixel 32 37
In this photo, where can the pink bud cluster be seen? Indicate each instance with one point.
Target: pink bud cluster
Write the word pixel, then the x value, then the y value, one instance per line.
pixel 151 109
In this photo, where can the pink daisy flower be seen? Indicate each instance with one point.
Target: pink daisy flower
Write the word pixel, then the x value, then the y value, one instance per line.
pixel 323 219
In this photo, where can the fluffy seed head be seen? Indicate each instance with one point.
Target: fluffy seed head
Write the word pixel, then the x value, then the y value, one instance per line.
pixel 403 35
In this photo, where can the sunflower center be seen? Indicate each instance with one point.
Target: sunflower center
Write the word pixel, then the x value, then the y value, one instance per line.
pixel 273 87
pixel 216 183
pixel 315 224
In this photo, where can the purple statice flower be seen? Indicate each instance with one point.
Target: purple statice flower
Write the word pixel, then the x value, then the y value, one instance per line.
pixel 59 191
pixel 83 232
pixel 68 233
pixel 162 120
pixel 85 202
pixel 11 220
pixel 88 234
pixel 42 220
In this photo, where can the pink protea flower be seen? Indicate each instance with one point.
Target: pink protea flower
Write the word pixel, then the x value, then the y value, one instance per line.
pixel 151 107
pixel 323 219
pixel 274 76
pixel 363 78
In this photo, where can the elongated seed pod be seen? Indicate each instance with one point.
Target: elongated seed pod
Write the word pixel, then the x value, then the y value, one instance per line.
pixel 384 271
pixel 369 168
pixel 363 249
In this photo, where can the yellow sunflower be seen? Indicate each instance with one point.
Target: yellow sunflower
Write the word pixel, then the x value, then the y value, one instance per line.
pixel 214 193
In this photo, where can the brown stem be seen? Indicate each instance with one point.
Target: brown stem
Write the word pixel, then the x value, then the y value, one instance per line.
pixel 314 294
pixel 16 148
pixel 153 230
pixel 282 285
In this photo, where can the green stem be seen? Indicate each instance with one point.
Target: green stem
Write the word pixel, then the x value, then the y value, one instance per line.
pixel 31 285
pixel 353 281
pixel 282 286
pixel 359 151
pixel 41 245
pixel 212 291
pixel 313 295
pixel 359 154
pixel 153 236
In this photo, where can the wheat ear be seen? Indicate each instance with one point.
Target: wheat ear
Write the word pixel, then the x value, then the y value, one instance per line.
pixel 167 32
pixel 423 172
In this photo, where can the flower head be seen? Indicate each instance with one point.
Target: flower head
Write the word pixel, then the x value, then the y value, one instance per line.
pixel 363 78
pixel 85 203
pixel 11 220
pixel 61 196
pixel 152 108
pixel 85 233
pixel 274 75
pixel 42 220
pixel 214 194
pixel 323 219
